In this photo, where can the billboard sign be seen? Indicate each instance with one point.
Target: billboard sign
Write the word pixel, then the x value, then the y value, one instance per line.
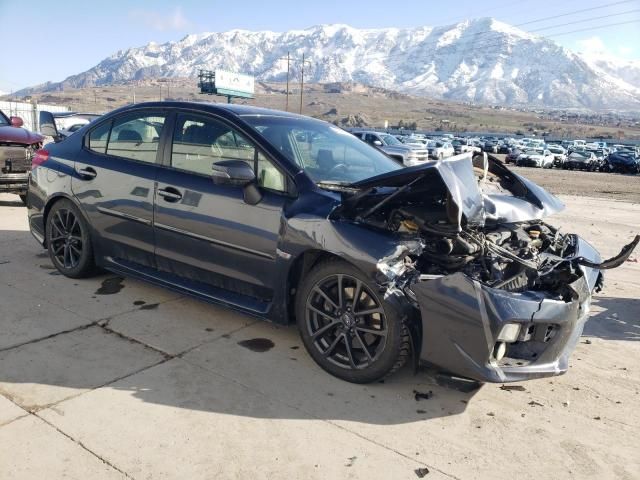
pixel 234 84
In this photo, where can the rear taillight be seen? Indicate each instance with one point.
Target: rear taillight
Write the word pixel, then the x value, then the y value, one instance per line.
pixel 39 158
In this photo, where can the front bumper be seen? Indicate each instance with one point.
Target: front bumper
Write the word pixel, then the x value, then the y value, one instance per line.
pixel 462 320
pixel 579 165
pixel 14 182
pixel 528 163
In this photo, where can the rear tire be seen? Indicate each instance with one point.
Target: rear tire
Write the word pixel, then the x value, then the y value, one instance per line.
pixel 343 340
pixel 69 241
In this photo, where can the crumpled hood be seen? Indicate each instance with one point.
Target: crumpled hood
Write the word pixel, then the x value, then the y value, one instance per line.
pixel 500 196
pixel 11 134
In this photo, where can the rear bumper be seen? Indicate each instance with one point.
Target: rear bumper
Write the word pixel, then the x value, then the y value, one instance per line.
pixel 14 182
pixel 462 321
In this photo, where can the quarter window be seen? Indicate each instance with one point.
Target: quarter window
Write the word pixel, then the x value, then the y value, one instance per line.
pixel 136 137
pixel 98 138
pixel 199 142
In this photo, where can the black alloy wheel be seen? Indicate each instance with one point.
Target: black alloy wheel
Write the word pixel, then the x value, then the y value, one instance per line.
pixel 68 240
pixel 347 328
pixel 346 322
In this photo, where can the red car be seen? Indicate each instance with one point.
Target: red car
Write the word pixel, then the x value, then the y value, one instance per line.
pixel 17 146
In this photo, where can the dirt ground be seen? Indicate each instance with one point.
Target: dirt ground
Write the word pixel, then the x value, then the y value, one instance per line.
pixel 112 378
pixel 592 184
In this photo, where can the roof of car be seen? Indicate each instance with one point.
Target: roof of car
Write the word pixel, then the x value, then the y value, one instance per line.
pixel 239 110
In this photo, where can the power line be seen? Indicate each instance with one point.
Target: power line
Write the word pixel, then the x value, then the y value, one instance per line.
pixel 491 43
pixel 546 37
pixel 606 5
pixel 585 20
pixel 488 31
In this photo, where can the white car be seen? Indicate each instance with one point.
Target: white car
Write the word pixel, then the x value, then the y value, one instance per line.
pixel 439 150
pixel 559 155
pixel 535 157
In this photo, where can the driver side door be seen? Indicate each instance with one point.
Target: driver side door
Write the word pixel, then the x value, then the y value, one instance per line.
pixel 206 233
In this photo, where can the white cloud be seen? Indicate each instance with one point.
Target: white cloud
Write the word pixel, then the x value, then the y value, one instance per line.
pixel 595 47
pixel 625 51
pixel 592 45
pixel 162 22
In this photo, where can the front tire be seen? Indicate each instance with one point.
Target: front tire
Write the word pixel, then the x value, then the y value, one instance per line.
pixel 347 327
pixel 69 241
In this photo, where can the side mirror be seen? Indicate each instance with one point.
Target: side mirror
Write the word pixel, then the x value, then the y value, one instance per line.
pixel 16 122
pixel 237 173
pixel 377 143
pixel 48 125
pixel 232 172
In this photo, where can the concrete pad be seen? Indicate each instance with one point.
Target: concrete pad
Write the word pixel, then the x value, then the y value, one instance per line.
pixel 477 430
pixel 184 422
pixel 45 372
pixel 94 298
pixel 177 326
pixel 27 267
pixel 9 411
pixel 25 317
pixel 31 449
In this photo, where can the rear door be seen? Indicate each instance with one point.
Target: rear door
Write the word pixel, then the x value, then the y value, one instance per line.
pixel 207 233
pixel 115 183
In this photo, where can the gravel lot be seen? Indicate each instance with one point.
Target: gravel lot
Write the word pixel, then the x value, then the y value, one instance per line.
pixel 113 378
pixel 593 184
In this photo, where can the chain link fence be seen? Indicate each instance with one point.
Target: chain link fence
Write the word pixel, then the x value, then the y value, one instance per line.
pixel 29 112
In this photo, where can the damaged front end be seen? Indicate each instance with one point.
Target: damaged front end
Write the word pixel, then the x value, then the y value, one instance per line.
pixel 502 295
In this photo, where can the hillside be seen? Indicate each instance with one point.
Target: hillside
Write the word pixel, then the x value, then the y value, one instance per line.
pixel 350 104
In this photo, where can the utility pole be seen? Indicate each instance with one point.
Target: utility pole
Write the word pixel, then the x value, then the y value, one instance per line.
pixel 302 84
pixel 160 92
pixel 288 69
pixel 288 58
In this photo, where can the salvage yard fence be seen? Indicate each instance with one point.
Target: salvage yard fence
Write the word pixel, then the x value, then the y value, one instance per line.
pixel 29 112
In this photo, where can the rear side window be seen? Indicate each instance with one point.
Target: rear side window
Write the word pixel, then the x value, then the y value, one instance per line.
pixel 98 138
pixel 136 137
pixel 132 136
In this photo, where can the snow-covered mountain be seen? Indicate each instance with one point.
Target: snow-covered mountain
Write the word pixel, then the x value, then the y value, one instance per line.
pixel 483 61
pixel 627 71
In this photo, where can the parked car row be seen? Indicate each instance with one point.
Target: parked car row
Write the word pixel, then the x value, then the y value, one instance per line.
pixel 530 152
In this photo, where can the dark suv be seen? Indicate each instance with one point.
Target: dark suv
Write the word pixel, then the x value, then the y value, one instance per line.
pixel 17 146
pixel 293 219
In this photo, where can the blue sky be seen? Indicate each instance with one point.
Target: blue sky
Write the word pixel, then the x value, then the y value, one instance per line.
pixel 52 40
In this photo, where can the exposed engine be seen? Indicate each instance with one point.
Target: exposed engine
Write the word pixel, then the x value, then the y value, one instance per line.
pixel 513 257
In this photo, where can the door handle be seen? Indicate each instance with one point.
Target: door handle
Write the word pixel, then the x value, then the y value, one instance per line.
pixel 170 194
pixel 87 173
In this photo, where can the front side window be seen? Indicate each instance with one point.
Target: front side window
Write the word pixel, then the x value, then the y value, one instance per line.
pixel 325 152
pixel 199 142
pixel 136 137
